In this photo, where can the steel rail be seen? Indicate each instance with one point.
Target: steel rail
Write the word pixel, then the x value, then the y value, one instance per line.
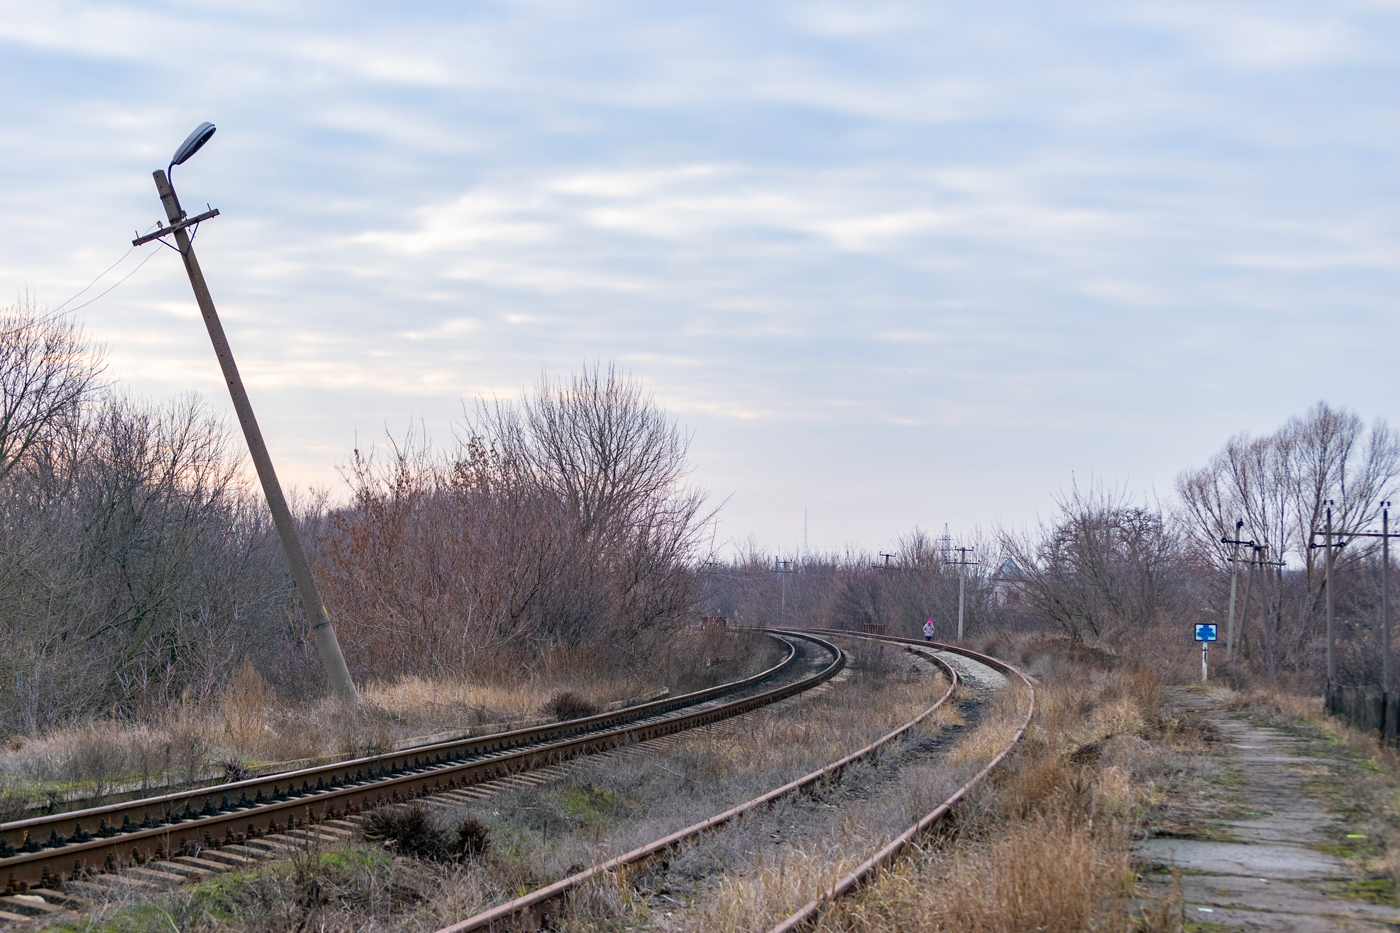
pixel 16 833
pixel 806 916
pixel 531 909
pixel 441 767
pixel 268 785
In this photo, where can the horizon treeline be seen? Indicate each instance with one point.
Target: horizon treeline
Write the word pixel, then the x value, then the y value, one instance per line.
pixel 1135 574
pixel 138 565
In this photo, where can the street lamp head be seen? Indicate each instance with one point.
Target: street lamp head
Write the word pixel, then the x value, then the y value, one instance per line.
pixel 191 145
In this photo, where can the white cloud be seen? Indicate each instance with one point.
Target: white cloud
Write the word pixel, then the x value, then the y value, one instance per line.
pixel 841 240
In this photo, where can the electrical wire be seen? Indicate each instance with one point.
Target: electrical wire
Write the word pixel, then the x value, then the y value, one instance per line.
pixel 100 276
pixel 119 281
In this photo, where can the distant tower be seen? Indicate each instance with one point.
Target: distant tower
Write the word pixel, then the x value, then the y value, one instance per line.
pixel 947 544
pixel 804 536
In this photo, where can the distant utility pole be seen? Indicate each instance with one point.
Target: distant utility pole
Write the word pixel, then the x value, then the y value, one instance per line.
pixel 887 559
pixel 327 645
pixel 1234 578
pixel 1331 633
pixel 1261 560
pixel 963 564
pixel 1384 535
pixel 783 567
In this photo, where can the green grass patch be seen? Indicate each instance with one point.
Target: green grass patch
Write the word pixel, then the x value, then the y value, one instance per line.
pixel 359 857
pixel 588 805
pixel 1371 891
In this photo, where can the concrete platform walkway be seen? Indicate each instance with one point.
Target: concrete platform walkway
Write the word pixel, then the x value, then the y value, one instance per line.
pixel 1268 868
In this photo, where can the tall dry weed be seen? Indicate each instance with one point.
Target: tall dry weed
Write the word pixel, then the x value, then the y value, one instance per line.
pixel 1050 874
pixel 246 708
pixel 1044 845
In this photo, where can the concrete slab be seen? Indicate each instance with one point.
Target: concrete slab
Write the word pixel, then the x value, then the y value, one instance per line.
pixel 1230 858
pixel 1271 874
pixel 1262 894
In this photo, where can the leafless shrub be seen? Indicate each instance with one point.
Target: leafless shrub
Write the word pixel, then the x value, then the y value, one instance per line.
pixel 558 520
pixel 411 830
pixel 1103 566
pixel 134 564
pixel 569 705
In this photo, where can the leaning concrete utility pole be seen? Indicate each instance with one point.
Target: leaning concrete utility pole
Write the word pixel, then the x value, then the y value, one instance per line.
pixel 327 645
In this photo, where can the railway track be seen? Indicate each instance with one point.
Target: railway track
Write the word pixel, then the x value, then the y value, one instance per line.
pixel 234 823
pixel 540 909
pixel 805 917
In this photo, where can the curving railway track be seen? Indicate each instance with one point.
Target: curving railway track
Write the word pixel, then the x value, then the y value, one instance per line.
pixel 805 917
pixel 239 823
pixel 197 833
pixel 540 909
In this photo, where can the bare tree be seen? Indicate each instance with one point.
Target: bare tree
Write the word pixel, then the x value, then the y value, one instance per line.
pixel 1279 485
pixel 135 566
pixel 1104 565
pixel 561 518
pixel 597 441
pixel 48 368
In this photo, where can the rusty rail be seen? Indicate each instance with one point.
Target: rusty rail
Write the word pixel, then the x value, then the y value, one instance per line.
pixel 806 916
pixel 531 910
pixel 157 826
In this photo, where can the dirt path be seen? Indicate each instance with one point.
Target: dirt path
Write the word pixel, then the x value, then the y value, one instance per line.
pixel 1255 849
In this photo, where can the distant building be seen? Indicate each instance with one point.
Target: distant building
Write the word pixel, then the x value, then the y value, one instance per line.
pixel 1008 583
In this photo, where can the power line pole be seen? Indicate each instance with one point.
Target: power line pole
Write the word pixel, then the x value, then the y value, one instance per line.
pixel 327 645
pixel 1384 535
pixel 782 567
pixel 1331 637
pixel 1248 591
pixel 963 564
pixel 1264 564
pixel 1234 579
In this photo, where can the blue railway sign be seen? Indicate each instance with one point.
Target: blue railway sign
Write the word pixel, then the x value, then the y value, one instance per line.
pixel 1205 631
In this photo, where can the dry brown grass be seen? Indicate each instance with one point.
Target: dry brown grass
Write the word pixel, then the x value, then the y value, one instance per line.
pixel 249 726
pixel 1051 874
pixel 1045 844
pixel 1281 707
pixel 828 728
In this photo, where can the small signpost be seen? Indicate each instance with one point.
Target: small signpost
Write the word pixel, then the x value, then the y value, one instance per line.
pixel 1205 634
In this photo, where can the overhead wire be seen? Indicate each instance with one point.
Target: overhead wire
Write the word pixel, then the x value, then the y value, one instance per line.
pixel 119 281
pixel 102 274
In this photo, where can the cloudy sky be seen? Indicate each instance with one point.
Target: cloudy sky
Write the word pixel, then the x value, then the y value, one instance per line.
pixel 890 263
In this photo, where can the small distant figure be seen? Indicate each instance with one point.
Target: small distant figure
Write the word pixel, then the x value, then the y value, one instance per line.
pixel 928 630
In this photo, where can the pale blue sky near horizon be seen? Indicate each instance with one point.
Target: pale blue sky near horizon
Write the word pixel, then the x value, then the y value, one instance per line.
pixel 893 264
